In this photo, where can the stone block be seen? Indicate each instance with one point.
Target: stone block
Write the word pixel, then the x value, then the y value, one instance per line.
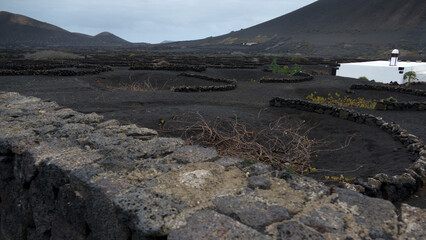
pixel 259 169
pixel 371 212
pixel 229 162
pixel 208 224
pixel 254 214
pixel 146 212
pixel 259 182
pixel 296 231
pixel 343 114
pixel 414 223
pixel 324 220
pixel 194 154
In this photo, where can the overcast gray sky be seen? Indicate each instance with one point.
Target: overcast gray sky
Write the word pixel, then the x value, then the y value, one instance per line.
pixel 153 21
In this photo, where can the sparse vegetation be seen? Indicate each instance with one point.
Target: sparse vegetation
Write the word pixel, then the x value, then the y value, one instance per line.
pixel 146 86
pixel 285 70
pixel 133 86
pixel 341 178
pixel 254 80
pixel 410 76
pixel 336 99
pixel 363 78
pixel 281 144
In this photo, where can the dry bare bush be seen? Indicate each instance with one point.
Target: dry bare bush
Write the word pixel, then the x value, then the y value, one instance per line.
pixel 281 144
pixel 133 86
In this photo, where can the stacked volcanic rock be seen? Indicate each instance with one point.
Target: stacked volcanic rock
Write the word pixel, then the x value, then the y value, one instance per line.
pixel 400 106
pixel 231 84
pixel 298 77
pixel 56 72
pixel 169 67
pixel 398 89
pixel 394 188
pixel 68 175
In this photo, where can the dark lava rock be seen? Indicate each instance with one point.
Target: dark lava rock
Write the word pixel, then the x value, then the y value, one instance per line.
pixel 324 220
pixel 70 210
pixel 194 154
pixel 228 162
pixel 297 231
pixel 259 182
pixel 259 169
pixel 284 174
pixel 256 215
pixel 146 211
pixel 370 212
pixel 209 224
pixel 380 106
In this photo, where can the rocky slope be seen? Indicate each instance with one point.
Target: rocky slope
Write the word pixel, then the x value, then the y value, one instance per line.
pixel 335 27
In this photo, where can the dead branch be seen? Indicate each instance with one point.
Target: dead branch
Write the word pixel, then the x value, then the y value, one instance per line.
pixel 281 144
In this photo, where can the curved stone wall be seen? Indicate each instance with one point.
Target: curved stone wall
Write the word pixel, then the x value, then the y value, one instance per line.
pixel 169 67
pixel 400 106
pixel 398 89
pixel 54 72
pixel 394 188
pixel 68 175
pixel 230 84
pixel 51 71
pixel 302 77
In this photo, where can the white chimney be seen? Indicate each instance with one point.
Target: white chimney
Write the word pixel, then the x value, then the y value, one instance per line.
pixel 394 57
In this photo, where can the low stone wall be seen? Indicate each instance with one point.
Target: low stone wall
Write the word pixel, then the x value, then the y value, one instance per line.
pixel 58 72
pixel 400 106
pixel 398 89
pixel 68 175
pixel 230 84
pixel 302 77
pixel 394 188
pixel 242 65
pixel 170 67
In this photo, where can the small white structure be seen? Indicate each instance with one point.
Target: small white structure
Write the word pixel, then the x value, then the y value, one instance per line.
pixel 249 43
pixel 383 71
pixel 394 57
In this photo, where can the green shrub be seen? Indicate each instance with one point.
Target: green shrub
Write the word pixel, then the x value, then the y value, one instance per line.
pixel 285 70
pixel 296 69
pixel 410 76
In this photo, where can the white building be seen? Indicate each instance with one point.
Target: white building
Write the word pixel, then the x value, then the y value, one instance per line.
pixel 383 71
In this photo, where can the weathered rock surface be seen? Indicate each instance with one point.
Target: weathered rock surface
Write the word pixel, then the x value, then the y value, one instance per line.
pixel 68 175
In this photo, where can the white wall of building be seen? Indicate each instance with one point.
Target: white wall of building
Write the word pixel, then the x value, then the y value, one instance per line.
pixel 380 71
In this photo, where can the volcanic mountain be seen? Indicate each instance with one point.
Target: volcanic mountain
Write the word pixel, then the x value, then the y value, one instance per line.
pixel 336 27
pixel 19 30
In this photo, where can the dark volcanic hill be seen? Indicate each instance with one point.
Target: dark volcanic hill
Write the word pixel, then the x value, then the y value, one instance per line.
pixel 21 30
pixel 347 26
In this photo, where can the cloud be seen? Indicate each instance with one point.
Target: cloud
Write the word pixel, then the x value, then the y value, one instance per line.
pixel 152 20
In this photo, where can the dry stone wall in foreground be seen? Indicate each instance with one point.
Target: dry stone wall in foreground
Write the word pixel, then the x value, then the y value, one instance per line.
pixel 68 175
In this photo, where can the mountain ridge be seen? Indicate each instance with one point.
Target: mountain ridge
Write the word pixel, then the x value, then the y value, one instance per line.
pixel 23 30
pixel 323 28
pixel 326 26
